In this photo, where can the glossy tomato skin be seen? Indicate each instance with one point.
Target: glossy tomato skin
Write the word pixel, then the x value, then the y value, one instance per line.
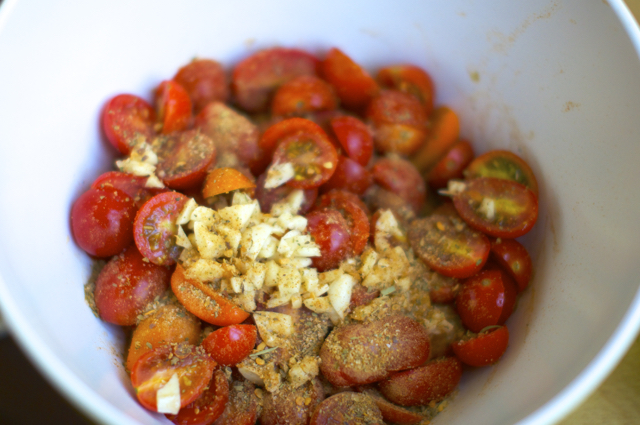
pixel 354 212
pixel 514 258
pixel 451 166
pixel 205 81
pixel 331 232
pixel 133 186
pixel 354 136
pixel 208 407
pixel 231 344
pixel 225 180
pixel 353 84
pixel 102 221
pixel 402 178
pixel 124 118
pixel 184 158
pixel 504 165
pixel 444 132
pixel 302 95
pixel 349 175
pixel 409 79
pixel 126 285
pixel 484 349
pixel 173 106
pixel 268 197
pixel 481 299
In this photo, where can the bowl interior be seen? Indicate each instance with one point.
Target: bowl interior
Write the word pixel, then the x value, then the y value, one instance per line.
pixel 555 82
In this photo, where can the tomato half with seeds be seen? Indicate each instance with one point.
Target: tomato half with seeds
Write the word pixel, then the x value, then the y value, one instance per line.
pixel 409 79
pixel 133 186
pixel 354 212
pixel 205 81
pixel 208 407
pixel 354 137
pixel 275 133
pixel 184 158
pixel 268 197
pixel 447 245
pixel 498 207
pixel 451 166
pixel 481 300
pixel 402 178
pixel 353 84
pixel 331 232
pixel 515 259
pixel 484 349
pixel 302 95
pixel 152 371
pixel 503 165
pixel 231 344
pixel 173 106
pixel 155 228
pixel 349 175
pixel 124 118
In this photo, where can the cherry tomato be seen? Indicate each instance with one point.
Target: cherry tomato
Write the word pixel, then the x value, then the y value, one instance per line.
pixel 354 212
pixel 203 301
pixel 242 408
pixel 409 79
pixel 268 197
pixel 417 387
pixel 125 117
pixel 283 407
pixel 391 412
pixel 205 81
pixel 503 165
pixel 451 166
pixel 275 133
pixel 443 290
pixel 444 131
pixel 484 349
pixel 153 370
pixel 183 159
pixel 498 207
pixel 133 186
pixel 514 258
pixel 347 408
pixel 449 246
pixel 231 344
pixel 208 407
pixel 481 300
pixel 102 221
pixel 126 285
pixel 173 105
pixel 354 86
pixel 331 232
pixel 224 180
pixel 401 177
pixel 349 175
pixel 255 79
pixel 510 290
pixel 155 228
pixel 361 295
pixel 302 95
pixel 354 137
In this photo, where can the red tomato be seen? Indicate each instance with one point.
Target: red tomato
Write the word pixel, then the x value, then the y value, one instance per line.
pixel 503 165
pixel 331 232
pixel 347 408
pixel 448 246
pixel 268 197
pixel 402 178
pixel 444 131
pixel 275 133
pixel 409 79
pixel 133 186
pixel 354 137
pixel 256 78
pixel 354 212
pixel 497 207
pixel 124 118
pixel 184 158
pixel 302 95
pixel 231 344
pixel 173 105
pixel 155 228
pixel 391 413
pixel 126 285
pixel 354 86
pixel 349 175
pixel 484 349
pixel 510 290
pixel 203 301
pixel 360 295
pixel 153 370
pixel 205 81
pixel 514 258
pixel 451 166
pixel 242 408
pixel 417 387
pixel 208 407
pixel 443 290
pixel 481 300
pixel 102 221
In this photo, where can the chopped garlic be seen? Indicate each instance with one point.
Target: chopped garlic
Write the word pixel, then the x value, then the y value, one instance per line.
pixel 279 174
pixel 340 293
pixel 168 397
pixel 273 327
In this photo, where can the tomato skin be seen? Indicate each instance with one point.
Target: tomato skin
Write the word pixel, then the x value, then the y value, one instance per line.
pixel 242 408
pixel 184 159
pixel 444 290
pixel 347 408
pixel 133 186
pixel 349 175
pixel 515 208
pixel 409 79
pixel 268 197
pixel 515 259
pixel 231 344
pixel 354 86
pixel 401 177
pixel 354 136
pixel 302 95
pixel 417 387
pixel 224 180
pixel 102 221
pixel 484 349
pixel 126 285
pixel 505 165
pixel 354 212
pixel 205 81
pixel 444 131
pixel 280 408
pixel 481 300
pixel 173 105
pixel 208 407
pixel 124 117
pixel 331 232
pixel 451 166
pixel 391 412
pixel 155 228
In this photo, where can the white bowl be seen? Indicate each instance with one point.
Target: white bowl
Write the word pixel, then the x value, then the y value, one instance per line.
pixel 557 82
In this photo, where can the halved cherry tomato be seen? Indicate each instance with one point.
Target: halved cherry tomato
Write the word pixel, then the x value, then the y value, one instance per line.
pixel 451 166
pixel 444 131
pixel 268 197
pixel 354 85
pixel 401 177
pixel 255 78
pixel 391 413
pixel 205 81
pixel 126 285
pixel 242 408
pixel 447 245
pixel 133 186
pixel 331 232
pixel 302 95
pixel 349 175
pixel 514 258
pixel 417 387
pixel 354 137
pixel 224 180
pixel 275 133
pixel 498 207
pixel 510 290
pixel 354 212
pixel 125 117
pixel 503 165
pixel 153 370
pixel 102 221
pixel 484 349
pixel 347 408
pixel 173 105
pixel 283 407
pixel 443 289
pixel 409 79
pixel 208 407
pixel 231 344
pixel 203 301
pixel 155 228
pixel 481 300
pixel 183 158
